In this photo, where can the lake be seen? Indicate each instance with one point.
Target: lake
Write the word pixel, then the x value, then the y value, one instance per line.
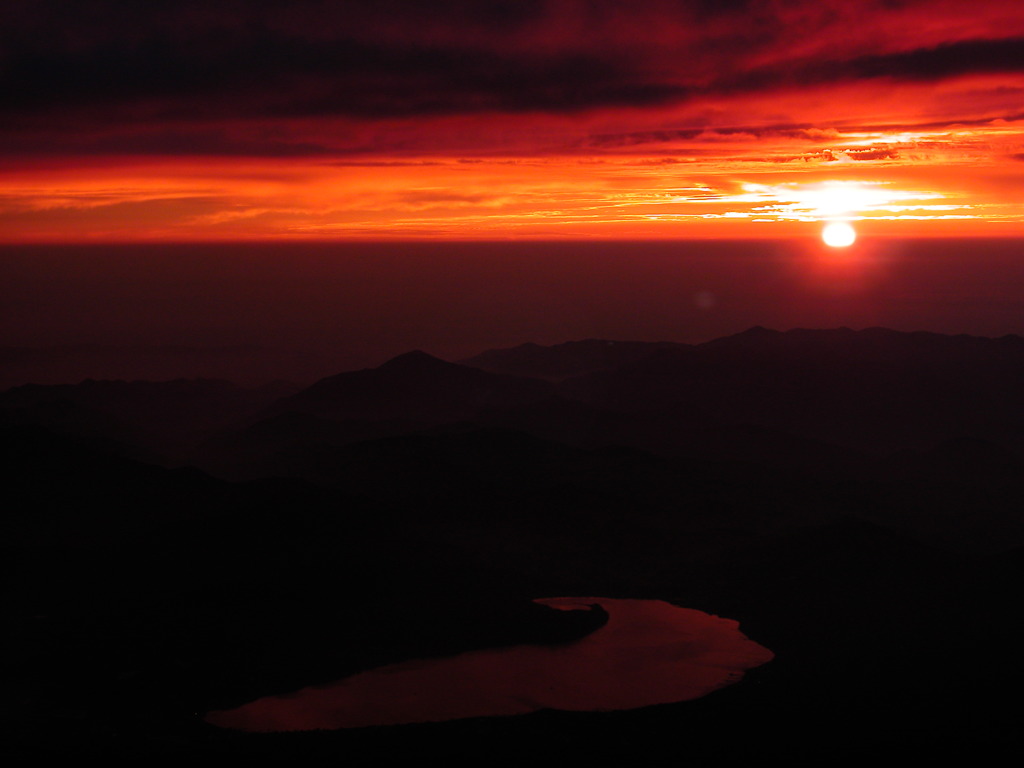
pixel 649 652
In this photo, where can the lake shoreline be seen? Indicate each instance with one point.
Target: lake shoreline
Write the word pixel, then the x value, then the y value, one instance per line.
pixel 648 652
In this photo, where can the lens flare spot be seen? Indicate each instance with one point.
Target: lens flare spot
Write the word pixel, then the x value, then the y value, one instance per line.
pixel 838 234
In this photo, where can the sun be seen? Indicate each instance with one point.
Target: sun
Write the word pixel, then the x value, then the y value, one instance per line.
pixel 838 234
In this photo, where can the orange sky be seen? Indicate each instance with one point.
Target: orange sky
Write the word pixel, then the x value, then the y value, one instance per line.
pixel 541 120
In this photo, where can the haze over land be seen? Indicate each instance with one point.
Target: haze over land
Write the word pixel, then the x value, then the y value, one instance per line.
pixel 301 312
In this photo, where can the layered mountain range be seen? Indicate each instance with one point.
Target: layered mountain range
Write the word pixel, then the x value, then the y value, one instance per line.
pixel 183 545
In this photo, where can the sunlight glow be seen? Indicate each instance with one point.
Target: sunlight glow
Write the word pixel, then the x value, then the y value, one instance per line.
pixel 838 234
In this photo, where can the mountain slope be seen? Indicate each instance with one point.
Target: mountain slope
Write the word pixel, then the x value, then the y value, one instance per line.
pixel 414 385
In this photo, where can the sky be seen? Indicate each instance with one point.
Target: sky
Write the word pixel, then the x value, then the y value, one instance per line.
pixel 528 119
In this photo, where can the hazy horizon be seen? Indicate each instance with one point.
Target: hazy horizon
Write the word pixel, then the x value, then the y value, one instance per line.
pixel 340 306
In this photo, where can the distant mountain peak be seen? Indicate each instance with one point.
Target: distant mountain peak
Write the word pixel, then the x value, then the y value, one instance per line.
pixel 415 360
pixel 570 358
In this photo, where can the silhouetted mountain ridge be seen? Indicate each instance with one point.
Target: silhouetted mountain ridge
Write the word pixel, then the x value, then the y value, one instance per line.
pixel 571 358
pixel 161 416
pixel 876 389
pixel 413 385
pixel 869 344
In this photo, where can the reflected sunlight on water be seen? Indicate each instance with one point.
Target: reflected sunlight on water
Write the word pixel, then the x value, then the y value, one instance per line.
pixel 649 652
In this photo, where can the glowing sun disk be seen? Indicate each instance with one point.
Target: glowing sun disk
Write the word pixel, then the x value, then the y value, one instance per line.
pixel 838 234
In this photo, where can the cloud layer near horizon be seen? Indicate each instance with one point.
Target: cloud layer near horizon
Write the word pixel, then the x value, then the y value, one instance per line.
pixel 537 116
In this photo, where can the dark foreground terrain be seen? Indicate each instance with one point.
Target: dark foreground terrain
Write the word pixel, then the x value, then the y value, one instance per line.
pixel 855 499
